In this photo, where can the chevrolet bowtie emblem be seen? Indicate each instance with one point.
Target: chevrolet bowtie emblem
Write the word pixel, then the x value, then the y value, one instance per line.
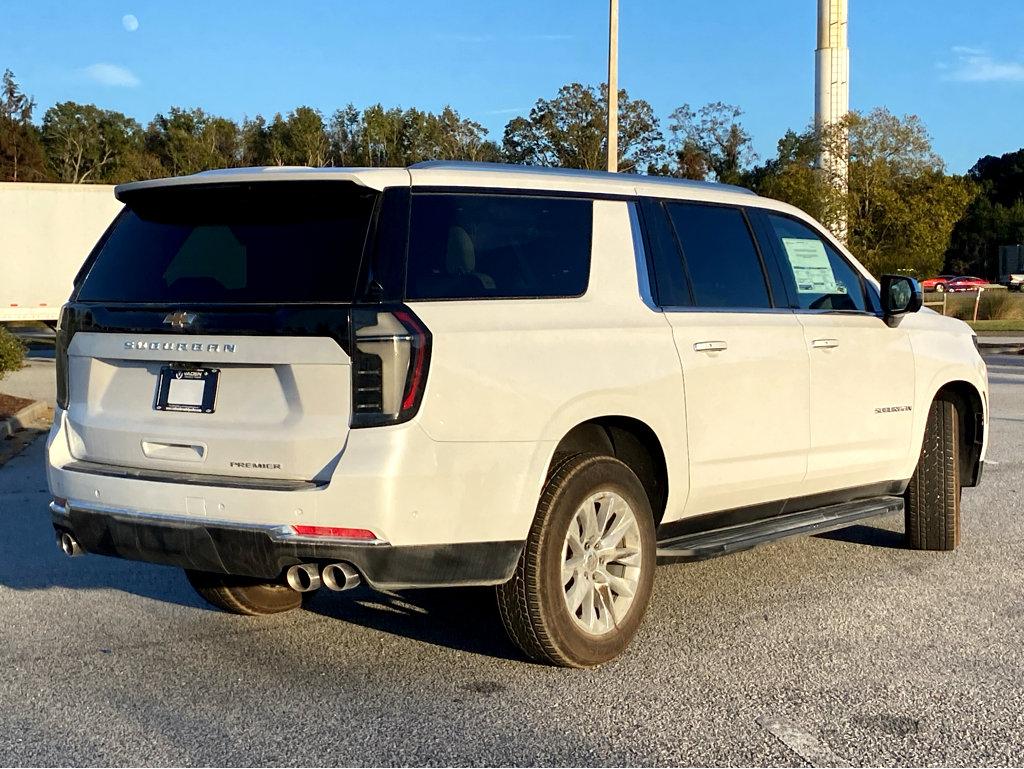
pixel 180 319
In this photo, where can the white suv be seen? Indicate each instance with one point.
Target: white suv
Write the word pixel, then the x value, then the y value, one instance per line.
pixel 467 374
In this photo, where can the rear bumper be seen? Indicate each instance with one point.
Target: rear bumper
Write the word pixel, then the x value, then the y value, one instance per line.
pixel 395 481
pixel 266 551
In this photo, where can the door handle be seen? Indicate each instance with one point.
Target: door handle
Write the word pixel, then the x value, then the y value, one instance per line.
pixel 710 346
pixel 825 344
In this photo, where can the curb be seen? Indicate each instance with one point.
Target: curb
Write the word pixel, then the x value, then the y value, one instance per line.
pixel 1002 349
pixel 31 413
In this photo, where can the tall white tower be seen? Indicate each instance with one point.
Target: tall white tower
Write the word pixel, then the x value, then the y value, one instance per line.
pixel 832 93
pixel 832 81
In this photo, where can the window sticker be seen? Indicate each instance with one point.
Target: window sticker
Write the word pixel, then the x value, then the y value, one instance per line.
pixel 811 267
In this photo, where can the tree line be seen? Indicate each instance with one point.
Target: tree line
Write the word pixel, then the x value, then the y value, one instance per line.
pixel 904 212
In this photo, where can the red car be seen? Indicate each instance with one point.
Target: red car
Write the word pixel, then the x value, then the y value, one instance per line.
pixel 965 283
pixel 936 284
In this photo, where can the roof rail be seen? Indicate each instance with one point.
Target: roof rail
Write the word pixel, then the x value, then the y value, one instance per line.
pixel 471 165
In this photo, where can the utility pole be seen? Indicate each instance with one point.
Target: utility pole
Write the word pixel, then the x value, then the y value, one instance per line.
pixel 613 85
pixel 832 95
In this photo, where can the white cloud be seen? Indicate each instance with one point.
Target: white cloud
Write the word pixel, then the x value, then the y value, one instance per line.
pixel 129 22
pixel 976 65
pixel 112 75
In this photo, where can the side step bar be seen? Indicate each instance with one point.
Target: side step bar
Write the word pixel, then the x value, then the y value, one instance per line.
pixel 732 539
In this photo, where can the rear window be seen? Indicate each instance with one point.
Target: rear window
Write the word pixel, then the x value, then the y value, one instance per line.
pixel 266 242
pixel 465 246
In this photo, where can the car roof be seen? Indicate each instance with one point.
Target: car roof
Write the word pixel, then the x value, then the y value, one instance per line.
pixel 451 173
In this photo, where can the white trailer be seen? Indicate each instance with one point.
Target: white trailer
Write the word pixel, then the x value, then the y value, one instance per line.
pixel 46 232
pixel 1011 266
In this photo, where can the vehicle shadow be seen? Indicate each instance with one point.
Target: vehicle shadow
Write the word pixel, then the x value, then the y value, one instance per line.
pixel 460 618
pixel 861 534
pixel 465 619
pixel 31 560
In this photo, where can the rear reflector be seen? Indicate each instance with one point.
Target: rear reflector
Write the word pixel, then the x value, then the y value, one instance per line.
pixel 335 532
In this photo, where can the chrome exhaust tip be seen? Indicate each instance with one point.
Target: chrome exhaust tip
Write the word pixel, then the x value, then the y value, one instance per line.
pixel 304 577
pixel 67 543
pixel 340 576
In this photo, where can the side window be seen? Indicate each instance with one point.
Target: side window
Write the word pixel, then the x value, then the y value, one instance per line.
pixel 821 278
pixel 722 262
pixel 464 246
pixel 667 277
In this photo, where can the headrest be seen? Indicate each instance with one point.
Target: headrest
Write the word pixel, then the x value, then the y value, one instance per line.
pixel 461 256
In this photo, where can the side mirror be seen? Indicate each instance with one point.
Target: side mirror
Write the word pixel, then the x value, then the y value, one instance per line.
pixel 900 295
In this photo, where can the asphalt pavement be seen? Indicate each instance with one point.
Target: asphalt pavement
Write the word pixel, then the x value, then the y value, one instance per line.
pixel 839 649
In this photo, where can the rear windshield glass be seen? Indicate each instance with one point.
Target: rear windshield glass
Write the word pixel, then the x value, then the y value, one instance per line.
pixel 464 246
pixel 267 242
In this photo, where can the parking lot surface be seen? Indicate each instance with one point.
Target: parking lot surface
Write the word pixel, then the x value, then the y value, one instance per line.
pixel 839 649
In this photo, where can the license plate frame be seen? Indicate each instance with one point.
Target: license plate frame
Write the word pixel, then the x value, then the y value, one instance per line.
pixel 177 390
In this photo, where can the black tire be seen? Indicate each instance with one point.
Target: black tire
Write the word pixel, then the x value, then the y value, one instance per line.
pixel 244 595
pixel 932 500
pixel 532 604
pixel 940 287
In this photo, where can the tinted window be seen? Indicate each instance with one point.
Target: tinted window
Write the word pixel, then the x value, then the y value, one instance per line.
pixel 266 242
pixel 668 278
pixel 498 246
pixel 821 278
pixel 722 261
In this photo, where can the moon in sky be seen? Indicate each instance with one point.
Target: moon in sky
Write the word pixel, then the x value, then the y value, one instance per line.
pixel 129 22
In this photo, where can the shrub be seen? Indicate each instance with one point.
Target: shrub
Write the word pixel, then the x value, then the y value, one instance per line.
pixel 12 352
pixel 1001 305
pixel 996 304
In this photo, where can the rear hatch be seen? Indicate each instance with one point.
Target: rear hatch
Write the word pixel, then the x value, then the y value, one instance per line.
pixel 208 330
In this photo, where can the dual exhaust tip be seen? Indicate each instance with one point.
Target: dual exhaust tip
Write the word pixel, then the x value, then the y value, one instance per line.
pixel 306 577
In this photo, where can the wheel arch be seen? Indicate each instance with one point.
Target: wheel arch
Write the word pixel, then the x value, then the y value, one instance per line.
pixel 971 417
pixel 631 441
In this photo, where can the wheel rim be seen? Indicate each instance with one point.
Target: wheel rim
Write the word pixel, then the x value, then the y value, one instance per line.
pixel 601 562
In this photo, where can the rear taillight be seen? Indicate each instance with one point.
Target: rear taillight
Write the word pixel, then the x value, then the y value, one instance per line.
pixel 61 359
pixel 390 357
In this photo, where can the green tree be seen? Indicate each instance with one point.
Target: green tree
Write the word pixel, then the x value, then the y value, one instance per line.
pixel 21 149
pixel 300 139
pixel 345 132
pixel 459 138
pixel 255 140
pixel 793 176
pixel 87 144
pixel 384 138
pixel 189 141
pixel 995 218
pixel 396 137
pixel 900 205
pixel 710 142
pixel 570 130
pixel 12 352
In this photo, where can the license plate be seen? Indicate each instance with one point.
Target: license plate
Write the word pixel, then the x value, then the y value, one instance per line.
pixel 187 389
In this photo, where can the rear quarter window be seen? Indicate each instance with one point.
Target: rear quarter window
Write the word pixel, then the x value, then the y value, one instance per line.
pixel 477 246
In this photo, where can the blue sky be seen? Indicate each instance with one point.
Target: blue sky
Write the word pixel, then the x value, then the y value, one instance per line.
pixel 959 64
